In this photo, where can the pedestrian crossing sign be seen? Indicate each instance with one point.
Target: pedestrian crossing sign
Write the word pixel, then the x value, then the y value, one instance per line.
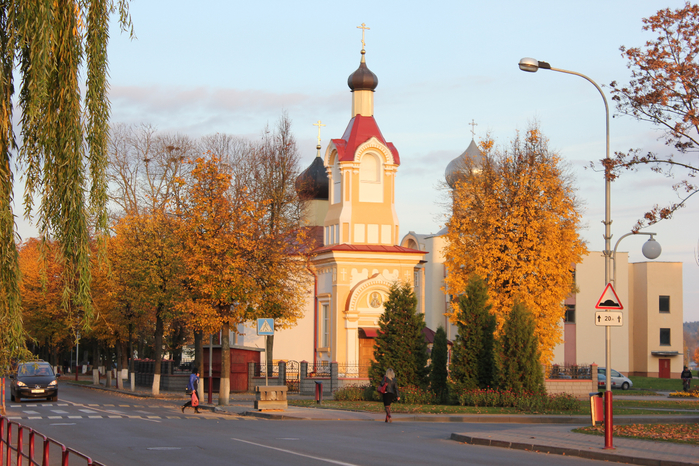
pixel 265 326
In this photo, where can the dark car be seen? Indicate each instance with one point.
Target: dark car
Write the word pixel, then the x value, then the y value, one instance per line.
pixel 34 379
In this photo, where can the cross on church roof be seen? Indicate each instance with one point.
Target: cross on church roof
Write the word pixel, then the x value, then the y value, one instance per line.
pixel 319 124
pixel 473 125
pixel 363 28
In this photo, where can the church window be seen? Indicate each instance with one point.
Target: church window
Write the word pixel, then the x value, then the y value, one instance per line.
pixel 325 332
pixel 370 179
pixel 336 180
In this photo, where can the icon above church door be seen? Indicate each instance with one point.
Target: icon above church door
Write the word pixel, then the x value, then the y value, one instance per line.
pixel 375 299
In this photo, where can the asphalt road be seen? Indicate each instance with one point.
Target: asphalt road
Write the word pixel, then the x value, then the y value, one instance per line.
pixel 119 430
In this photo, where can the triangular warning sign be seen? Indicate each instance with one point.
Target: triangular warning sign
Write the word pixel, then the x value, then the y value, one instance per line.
pixel 266 328
pixel 609 299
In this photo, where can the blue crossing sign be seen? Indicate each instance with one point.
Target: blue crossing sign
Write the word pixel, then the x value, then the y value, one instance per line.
pixel 265 326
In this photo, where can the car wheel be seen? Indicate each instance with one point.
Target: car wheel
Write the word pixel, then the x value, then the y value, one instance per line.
pixel 625 386
pixel 53 398
pixel 12 398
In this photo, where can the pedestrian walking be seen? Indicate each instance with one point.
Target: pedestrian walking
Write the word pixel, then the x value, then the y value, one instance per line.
pixel 191 389
pixel 389 391
pixel 686 377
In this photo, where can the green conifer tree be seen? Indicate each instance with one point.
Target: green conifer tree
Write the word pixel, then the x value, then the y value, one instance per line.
pixel 473 364
pixel 438 368
pixel 521 360
pixel 400 343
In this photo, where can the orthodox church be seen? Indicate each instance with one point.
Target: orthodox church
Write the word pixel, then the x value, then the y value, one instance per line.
pixel 350 191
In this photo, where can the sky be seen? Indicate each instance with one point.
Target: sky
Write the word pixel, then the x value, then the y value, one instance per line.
pixel 198 68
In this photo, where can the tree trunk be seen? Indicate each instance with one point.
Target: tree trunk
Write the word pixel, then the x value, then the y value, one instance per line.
pixel 158 351
pixel 119 352
pixel 225 386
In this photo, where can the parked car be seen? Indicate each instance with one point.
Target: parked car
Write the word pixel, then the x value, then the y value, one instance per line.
pixel 618 380
pixel 34 379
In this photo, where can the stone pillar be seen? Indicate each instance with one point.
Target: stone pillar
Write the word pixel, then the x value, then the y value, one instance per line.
pixel 593 371
pixel 302 377
pixel 282 373
pixel 251 375
pixel 334 384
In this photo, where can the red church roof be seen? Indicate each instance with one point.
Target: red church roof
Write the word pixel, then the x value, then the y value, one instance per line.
pixel 359 131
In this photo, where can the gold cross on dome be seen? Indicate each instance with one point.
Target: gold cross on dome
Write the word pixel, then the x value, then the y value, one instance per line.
pixel 473 125
pixel 319 124
pixel 363 28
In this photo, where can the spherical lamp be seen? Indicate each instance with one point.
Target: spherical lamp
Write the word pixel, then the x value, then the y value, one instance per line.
pixel 651 249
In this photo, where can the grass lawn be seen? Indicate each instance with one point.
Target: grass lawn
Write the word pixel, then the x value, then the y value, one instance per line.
pixel 631 407
pixel 676 433
pixel 656 384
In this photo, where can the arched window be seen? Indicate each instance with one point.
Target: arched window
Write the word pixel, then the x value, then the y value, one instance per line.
pixel 336 180
pixel 370 178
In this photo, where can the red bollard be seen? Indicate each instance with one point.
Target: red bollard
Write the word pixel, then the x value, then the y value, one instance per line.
pixel 319 392
pixel 608 422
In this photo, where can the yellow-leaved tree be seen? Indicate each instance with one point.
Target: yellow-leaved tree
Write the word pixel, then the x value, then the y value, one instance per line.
pixel 515 221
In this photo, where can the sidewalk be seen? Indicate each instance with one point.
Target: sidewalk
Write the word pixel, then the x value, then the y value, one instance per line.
pixel 543 434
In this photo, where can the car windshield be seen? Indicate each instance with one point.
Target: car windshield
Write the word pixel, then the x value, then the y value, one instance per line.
pixel 34 369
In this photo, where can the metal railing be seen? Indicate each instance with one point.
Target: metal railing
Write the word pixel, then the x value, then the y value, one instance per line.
pixel 29 452
pixel 568 371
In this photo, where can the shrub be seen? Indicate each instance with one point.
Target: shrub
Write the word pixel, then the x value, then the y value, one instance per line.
pixel 354 393
pixel 411 394
pixel 526 402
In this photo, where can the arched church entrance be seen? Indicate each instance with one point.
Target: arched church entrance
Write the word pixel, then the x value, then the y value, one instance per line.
pixel 366 350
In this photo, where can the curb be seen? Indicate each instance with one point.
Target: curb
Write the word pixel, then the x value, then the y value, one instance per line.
pixel 588 454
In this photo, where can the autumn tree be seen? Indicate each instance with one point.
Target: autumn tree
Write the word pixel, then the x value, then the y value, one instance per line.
pixel 663 91
pixel 520 359
pixel 267 170
pixel 63 154
pixel 473 364
pixel 145 254
pixel 44 318
pixel 438 367
pixel 514 221
pixel 143 170
pixel 400 343
pixel 218 232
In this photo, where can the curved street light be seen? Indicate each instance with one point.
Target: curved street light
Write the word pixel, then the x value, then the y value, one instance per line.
pixel 651 249
pixel 532 65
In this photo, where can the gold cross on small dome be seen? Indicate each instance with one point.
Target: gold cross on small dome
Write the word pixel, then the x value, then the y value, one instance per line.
pixel 319 124
pixel 363 28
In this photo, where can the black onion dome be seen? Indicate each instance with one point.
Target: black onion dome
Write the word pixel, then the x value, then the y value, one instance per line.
pixel 363 79
pixel 313 182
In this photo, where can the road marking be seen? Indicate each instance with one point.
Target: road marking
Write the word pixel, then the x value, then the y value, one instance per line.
pixel 30 412
pixel 87 411
pixel 163 448
pixel 59 411
pixel 327 460
pixel 63 424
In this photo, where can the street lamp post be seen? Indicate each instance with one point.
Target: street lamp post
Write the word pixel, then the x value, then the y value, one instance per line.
pixel 651 249
pixel 532 65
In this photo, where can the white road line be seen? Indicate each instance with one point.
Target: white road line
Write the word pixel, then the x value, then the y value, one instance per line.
pixel 327 460
pixel 30 412
pixel 59 411
pixel 87 411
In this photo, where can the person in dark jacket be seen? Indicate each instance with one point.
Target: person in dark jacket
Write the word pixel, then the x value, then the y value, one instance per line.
pixel 192 388
pixel 686 377
pixel 392 394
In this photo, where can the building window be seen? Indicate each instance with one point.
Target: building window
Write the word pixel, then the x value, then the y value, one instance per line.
pixel 570 314
pixel 325 330
pixel 664 303
pixel 664 337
